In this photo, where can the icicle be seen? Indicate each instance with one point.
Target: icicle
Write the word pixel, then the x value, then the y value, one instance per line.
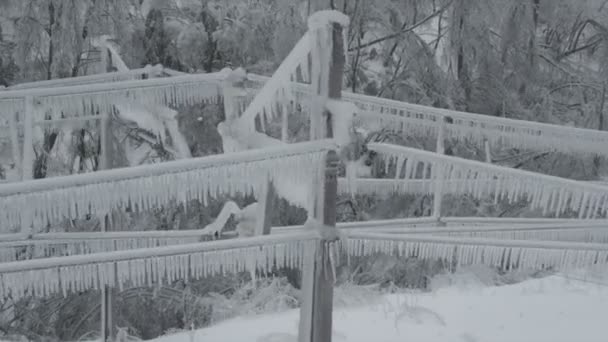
pixel 400 161
pixel 582 205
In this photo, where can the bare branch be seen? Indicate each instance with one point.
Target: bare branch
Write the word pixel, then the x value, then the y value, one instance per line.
pixel 405 30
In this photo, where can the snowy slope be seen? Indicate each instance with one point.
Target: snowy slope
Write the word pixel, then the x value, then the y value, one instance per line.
pixel 552 309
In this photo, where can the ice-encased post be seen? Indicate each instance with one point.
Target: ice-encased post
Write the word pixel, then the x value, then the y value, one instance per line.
pixel 318 276
pixel 105 163
pixel 327 68
pixel 28 139
pixel 327 34
pixel 438 173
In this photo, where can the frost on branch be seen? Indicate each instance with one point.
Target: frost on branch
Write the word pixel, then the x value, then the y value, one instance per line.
pixel 548 193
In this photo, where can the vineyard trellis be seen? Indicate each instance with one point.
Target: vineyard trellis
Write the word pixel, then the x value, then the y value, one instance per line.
pixel 65 262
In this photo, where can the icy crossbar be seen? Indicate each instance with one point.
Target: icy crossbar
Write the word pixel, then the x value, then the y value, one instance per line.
pixel 152 266
pixel 423 120
pixel 89 99
pixel 552 194
pixel 35 203
pixel 116 76
pixel 278 88
pixel 506 254
pixel 56 246
pixel 20 247
pixel 581 231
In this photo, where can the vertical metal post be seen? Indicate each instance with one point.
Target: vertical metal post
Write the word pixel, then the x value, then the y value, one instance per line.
pixel 104 164
pixel 317 280
pixel 17 157
pixel 28 139
pixel 438 193
pixel 265 205
pixel 284 123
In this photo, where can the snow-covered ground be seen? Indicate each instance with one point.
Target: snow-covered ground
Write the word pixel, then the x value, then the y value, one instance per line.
pixel 552 309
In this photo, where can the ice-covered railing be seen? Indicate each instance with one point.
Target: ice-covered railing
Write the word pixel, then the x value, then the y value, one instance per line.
pixel 385 187
pixel 117 76
pixel 309 62
pixel 91 99
pixel 581 231
pixel 36 203
pixel 574 234
pixel 552 194
pixel 422 120
pixel 20 247
pixel 37 248
pixel 503 253
pixel 152 266
pixel 278 90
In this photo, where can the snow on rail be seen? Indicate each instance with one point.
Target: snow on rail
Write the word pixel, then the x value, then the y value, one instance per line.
pixel 552 194
pixel 502 253
pixel 37 202
pixel 152 266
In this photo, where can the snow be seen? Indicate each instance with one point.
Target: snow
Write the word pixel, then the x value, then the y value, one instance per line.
pixel 553 309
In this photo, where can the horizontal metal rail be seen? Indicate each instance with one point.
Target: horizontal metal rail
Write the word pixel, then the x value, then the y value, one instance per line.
pixel 532 135
pixel 114 175
pixel 88 79
pixel 559 245
pixel 142 253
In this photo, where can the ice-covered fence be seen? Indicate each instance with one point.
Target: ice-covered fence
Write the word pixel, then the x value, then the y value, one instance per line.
pixel 152 266
pixel 423 120
pixel 92 99
pixel 64 244
pixel 580 230
pixel 551 194
pixel 20 246
pixel 502 253
pixel 36 203
pixel 117 76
